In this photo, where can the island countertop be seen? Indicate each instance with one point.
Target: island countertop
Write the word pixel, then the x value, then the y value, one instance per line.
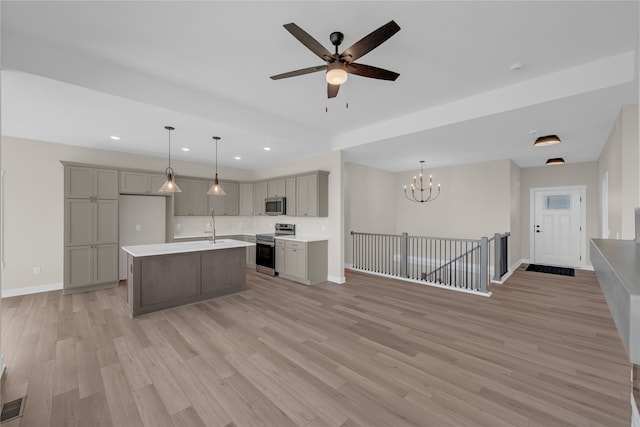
pixel 183 247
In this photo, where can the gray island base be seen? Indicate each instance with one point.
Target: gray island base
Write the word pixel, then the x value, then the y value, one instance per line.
pixel 172 274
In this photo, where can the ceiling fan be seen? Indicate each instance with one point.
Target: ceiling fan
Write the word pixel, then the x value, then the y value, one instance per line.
pixel 338 65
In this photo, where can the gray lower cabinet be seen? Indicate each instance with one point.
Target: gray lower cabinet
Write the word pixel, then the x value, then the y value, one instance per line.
pixel 302 262
pixel 140 182
pixel 251 251
pixel 193 199
pixel 89 266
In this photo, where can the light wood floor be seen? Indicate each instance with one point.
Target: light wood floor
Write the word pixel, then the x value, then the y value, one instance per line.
pixel 543 351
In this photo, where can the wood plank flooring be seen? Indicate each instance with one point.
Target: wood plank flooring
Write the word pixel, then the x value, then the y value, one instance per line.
pixel 542 351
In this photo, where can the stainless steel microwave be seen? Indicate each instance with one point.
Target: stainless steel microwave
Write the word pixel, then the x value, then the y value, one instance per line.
pixel 275 205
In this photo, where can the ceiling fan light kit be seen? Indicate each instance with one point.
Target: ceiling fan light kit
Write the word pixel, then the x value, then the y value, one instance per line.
pixel 339 65
pixel 547 140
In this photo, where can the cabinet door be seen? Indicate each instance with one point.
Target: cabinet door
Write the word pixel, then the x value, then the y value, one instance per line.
pixel 232 202
pixel 246 199
pixel 106 184
pixel 198 197
pixel 79 222
pixel 280 259
pixel 155 182
pixel 181 200
pixel 295 262
pixel 313 196
pixel 134 182
pixel 251 252
pixel 105 214
pixel 276 188
pixel 302 196
pixel 290 194
pixel 78 266
pixel 259 194
pixel 105 263
pixel 78 182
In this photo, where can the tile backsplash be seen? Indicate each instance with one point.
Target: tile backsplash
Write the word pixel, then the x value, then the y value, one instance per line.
pixel 196 225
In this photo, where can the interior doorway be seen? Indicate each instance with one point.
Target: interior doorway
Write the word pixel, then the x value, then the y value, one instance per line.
pixel 558 226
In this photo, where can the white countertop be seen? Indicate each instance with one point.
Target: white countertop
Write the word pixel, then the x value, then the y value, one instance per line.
pixel 207 234
pixel 302 238
pixel 181 247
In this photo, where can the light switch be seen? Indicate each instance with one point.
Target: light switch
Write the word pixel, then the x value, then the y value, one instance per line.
pixel 138 227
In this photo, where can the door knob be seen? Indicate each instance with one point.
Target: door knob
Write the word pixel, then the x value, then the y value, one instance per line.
pixel 537 231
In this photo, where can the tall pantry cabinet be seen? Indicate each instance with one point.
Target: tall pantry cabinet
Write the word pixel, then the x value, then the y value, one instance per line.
pixel 90 228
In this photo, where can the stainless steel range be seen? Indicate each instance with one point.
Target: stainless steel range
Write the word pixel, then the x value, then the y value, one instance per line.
pixel 266 248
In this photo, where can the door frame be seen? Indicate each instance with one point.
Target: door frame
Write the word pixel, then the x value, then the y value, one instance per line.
pixel 583 219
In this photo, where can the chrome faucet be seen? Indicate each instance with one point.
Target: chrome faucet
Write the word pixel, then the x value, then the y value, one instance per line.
pixel 213 227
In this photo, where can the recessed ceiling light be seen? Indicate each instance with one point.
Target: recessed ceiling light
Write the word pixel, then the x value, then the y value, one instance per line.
pixel 238 158
pixel 186 149
pixel 267 148
pixel 115 138
pixel 516 66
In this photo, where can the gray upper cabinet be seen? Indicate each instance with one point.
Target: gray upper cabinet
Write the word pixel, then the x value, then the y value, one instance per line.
pixel 140 182
pixel 259 194
pixel 312 197
pixel 276 188
pixel 227 205
pixel 291 195
pixel 193 199
pixel 246 199
pixel 87 183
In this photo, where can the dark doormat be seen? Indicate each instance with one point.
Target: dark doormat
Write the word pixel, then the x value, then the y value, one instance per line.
pixel 564 271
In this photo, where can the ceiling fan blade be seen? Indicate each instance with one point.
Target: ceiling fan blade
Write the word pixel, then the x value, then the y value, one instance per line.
pixel 312 44
pixel 370 42
pixel 332 90
pixel 370 71
pixel 300 72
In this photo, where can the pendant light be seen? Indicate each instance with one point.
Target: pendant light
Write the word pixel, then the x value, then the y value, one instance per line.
pixel 415 186
pixel 216 188
pixel 169 186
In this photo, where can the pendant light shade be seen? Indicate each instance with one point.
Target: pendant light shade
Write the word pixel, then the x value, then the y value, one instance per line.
pixel 216 188
pixel 169 186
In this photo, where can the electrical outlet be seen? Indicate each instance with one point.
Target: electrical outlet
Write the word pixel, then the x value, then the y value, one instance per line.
pixel 36 270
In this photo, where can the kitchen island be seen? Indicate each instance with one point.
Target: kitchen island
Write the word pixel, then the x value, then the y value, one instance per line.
pixel 165 275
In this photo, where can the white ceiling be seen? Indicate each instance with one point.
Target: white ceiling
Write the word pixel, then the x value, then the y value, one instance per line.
pixel 78 72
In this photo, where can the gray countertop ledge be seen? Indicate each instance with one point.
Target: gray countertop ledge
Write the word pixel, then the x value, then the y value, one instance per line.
pixel 617 267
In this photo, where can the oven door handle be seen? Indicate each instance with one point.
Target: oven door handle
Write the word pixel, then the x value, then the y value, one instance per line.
pixel 271 245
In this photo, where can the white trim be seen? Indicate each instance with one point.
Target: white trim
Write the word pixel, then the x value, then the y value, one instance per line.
pixel 31 290
pixel 422 282
pixel 583 219
pixel 508 274
pixel 3 368
pixel 635 415
pixel 336 279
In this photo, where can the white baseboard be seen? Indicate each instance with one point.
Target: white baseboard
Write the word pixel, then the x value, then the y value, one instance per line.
pixel 336 279
pixel 31 290
pixel 635 415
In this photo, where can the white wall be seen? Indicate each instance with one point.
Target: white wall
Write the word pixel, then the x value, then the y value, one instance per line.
pixel 620 160
pixel 34 204
pixel 515 254
pixel 559 176
pixel 369 203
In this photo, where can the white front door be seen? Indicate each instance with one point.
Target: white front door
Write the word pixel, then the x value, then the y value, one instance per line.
pixel 557 232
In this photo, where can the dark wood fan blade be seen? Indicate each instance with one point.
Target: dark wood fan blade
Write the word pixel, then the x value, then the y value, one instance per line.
pixel 370 42
pixel 370 71
pixel 312 44
pixel 300 72
pixel 332 90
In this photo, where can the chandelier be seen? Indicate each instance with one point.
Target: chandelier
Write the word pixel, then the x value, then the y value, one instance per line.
pixel 415 188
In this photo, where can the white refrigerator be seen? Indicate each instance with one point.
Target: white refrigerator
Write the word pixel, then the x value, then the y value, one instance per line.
pixel 142 221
